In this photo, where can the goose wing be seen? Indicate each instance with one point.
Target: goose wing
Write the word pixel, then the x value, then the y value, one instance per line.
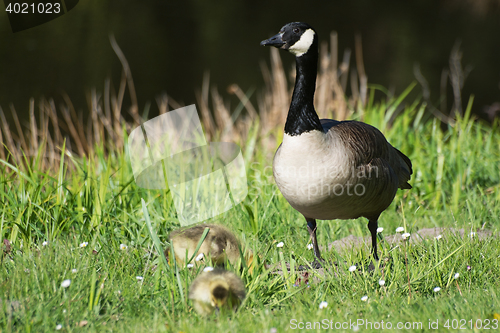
pixel 366 143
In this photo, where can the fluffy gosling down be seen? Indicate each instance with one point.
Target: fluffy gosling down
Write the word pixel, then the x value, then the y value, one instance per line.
pixel 220 244
pixel 216 290
pixel 350 168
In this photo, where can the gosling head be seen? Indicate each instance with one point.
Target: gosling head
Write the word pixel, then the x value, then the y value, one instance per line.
pixel 219 291
pixel 216 291
pixel 296 37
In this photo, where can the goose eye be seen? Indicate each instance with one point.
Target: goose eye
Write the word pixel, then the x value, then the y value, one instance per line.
pixel 296 30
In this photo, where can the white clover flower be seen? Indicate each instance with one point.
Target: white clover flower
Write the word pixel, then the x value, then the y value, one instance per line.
pixel 381 282
pixel 45 243
pixel 456 276
pixel 352 268
pixel 208 269
pixel 58 327
pixel 65 283
pixel 310 246
pixel 436 289
pixel 280 244
pixel 405 235
pixel 123 246
pixel 84 244
pixel 199 257
pixel 74 270
pixel 190 265
pixel 379 230
pixel 139 278
pixel 438 237
pixel 323 305
pixel 364 298
pixel 400 229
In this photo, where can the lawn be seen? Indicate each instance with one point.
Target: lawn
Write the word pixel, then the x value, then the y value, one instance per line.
pixel 78 254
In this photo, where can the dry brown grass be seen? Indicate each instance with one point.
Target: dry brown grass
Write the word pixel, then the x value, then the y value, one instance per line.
pixel 50 127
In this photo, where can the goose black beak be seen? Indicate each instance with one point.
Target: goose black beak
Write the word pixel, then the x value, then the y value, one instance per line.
pixel 275 41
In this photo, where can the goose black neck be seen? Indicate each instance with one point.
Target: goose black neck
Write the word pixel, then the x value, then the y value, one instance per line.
pixel 301 116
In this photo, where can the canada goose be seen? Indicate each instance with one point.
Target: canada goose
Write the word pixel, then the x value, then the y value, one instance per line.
pixel 328 169
pixel 220 244
pixel 217 289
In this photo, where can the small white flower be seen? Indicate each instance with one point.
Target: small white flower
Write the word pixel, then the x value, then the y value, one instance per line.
pixel 139 278
pixel 438 237
pixel 280 244
pixel 437 289
pixel 310 246
pixel 355 328
pixel 200 257
pixel 323 305
pixel 208 269
pixel 64 310
pixel 45 243
pixel 74 270
pixel 190 265
pixel 379 230
pixel 123 246
pixel 352 268
pixel 273 330
pixel 472 234
pixel 405 235
pixel 65 283
pixel 364 298
pixel 381 282
pixel 456 276
pixel 83 209
pixel 400 229
pixel 84 244
pixel 58 327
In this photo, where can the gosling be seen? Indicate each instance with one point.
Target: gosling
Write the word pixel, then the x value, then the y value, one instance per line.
pixel 215 291
pixel 220 245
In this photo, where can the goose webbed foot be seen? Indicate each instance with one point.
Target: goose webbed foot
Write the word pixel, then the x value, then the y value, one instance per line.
pixel 370 265
pixel 316 264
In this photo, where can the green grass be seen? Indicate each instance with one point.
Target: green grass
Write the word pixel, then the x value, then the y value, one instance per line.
pixel 456 184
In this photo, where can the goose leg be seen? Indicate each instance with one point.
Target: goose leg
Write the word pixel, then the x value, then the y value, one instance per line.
pixel 311 227
pixel 373 225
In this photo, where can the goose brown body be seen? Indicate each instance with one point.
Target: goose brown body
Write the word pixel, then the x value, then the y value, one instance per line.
pixel 349 171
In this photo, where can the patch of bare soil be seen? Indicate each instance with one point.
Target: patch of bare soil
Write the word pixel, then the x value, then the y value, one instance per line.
pixel 353 242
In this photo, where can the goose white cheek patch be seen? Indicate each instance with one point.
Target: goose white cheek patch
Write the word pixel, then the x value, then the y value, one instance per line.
pixel 303 44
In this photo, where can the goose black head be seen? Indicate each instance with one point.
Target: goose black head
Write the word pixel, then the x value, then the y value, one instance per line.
pixel 295 37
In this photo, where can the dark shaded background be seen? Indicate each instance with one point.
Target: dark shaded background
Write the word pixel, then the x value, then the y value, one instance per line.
pixel 170 44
